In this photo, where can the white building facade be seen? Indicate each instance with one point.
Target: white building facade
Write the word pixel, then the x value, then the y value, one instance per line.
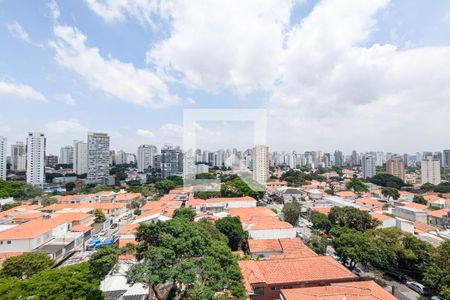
pixel 2 157
pixel 66 155
pixel 98 156
pixel 36 158
pixel 146 157
pixel 80 157
pixel 431 170
pixel 369 166
pixel 261 165
pixel 18 157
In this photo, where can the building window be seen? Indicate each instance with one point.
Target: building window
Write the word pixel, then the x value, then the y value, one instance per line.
pixel 8 242
pixel 258 291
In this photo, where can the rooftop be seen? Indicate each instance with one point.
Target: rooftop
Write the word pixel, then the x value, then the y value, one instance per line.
pixel 367 290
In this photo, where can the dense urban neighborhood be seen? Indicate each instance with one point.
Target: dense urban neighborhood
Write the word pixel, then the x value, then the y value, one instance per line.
pixel 95 224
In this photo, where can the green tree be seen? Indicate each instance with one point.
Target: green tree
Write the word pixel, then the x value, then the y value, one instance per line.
pixel 291 212
pixel 186 259
pixel 183 212
pixel 390 192
pixel 99 216
pixel 103 261
pixel 387 180
pixel 317 243
pixel 320 221
pixel 420 200
pixel 164 186
pixel 353 247
pixel 352 217
pixel 437 273
pixel 231 227
pixel 427 187
pixel 357 186
pixel 25 265
pixel 70 186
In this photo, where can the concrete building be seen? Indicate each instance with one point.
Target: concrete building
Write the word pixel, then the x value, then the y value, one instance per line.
pixel 260 163
pixel 171 162
pixel 2 157
pixel 431 170
pixel 66 155
pixel 446 158
pixel 338 158
pixel 51 160
pixel 146 157
pixel 396 167
pixel 36 144
pixel 80 157
pixel 98 156
pixel 369 166
pixel 18 157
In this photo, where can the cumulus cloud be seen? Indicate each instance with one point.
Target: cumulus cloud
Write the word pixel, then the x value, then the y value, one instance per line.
pixel 70 126
pixel 20 90
pixel 145 133
pixel 116 78
pixel 328 84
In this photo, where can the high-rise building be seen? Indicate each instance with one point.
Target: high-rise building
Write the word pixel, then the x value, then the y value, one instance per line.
pixel 171 161
pixel 338 158
pixel 405 159
pixel 146 157
pixel 446 158
pixel 121 157
pixel 3 157
pixel 80 157
pixel 438 155
pixel 369 165
pixel 51 160
pixel 431 170
pixel 36 144
pixel 260 163
pixel 98 156
pixel 18 157
pixel 396 167
pixel 66 155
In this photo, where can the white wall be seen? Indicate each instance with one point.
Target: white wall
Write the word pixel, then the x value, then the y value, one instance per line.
pixel 272 233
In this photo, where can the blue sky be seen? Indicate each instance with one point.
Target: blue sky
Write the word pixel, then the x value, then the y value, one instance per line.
pixel 337 74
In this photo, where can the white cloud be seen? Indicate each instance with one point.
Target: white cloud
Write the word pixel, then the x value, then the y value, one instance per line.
pixel 224 44
pixel 116 78
pixel 66 99
pixel 71 126
pixel 145 133
pixel 20 90
pixel 18 32
pixel 113 10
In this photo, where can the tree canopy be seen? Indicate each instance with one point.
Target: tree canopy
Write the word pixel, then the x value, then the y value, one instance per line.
pixel 185 259
pixel 183 212
pixel 320 221
pixel 437 273
pixel 291 212
pixel 99 216
pixel 18 189
pixel 231 227
pixel 352 218
pixel 25 265
pixel 390 192
pixel 357 186
pixel 387 180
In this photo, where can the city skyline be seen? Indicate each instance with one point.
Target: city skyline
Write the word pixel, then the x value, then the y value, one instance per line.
pixel 348 98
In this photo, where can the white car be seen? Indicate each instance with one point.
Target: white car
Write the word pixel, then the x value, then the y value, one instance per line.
pixel 418 287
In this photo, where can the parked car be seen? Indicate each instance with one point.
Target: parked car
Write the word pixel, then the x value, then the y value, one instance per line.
pixel 437 298
pixel 300 235
pixel 114 226
pixel 418 287
pixel 395 275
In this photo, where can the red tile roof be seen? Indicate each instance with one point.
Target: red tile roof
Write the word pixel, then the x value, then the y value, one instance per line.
pixel 357 290
pixel 440 213
pixel 290 271
pixel 322 210
pixel 292 245
pixel 416 206
pixel 235 199
pixel 81 228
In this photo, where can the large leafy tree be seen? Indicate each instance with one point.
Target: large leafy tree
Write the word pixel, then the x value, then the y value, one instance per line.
pixel 185 260
pixel 291 212
pixel 357 186
pixel 25 265
pixel 437 274
pixel 390 192
pixel 103 261
pixel 320 221
pixel 183 212
pixel 99 216
pixel 352 217
pixel 231 227
pixel 164 186
pixel 387 180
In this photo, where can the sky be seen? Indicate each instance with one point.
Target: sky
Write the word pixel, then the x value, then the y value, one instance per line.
pixel 331 74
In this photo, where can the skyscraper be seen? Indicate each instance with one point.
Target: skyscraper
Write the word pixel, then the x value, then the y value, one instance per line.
pixel 146 157
pixel 2 157
pixel 369 166
pixel 338 158
pixel 66 155
pixel 18 157
pixel 431 170
pixel 36 158
pixel 98 156
pixel 260 163
pixel 171 161
pixel 396 167
pixel 446 158
pixel 80 157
